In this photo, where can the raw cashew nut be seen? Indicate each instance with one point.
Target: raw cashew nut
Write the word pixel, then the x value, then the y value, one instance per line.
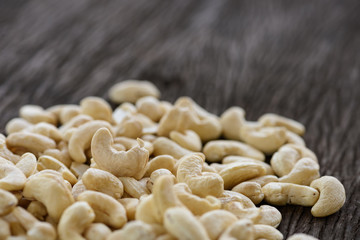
pixel 161 161
pixel 231 121
pixel 103 181
pixel 216 222
pixel 130 205
pixel 263 180
pixel 156 174
pixel 97 108
pixel 301 236
pixel 274 120
pixel 32 142
pixel 189 140
pixel 129 143
pixel 17 125
pixel 332 196
pixel 120 163
pixel 35 230
pixel 81 139
pixel 135 230
pixel 236 173
pixel 5 152
pixel 68 112
pixel 37 209
pixel 49 188
pixel 35 114
pixel 238 159
pixel 130 127
pixel 180 223
pixel 262 231
pixel 165 146
pixel 277 193
pixel 216 150
pixel 7 202
pixel 97 231
pixel 200 183
pixel 195 204
pixel 11 177
pixel 304 172
pixel 132 90
pixel 27 164
pixel 77 189
pixel 107 209
pixel 284 160
pixel 240 230
pixel 4 229
pixel 46 129
pixel 151 107
pixel 78 169
pixel 293 138
pixel 75 219
pixel 265 139
pixel 250 189
pixel 75 122
pixel 48 162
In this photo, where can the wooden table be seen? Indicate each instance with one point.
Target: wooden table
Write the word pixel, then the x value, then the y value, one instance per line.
pixel 297 58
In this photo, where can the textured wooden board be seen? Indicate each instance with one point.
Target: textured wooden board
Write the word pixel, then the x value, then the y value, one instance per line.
pixel 297 58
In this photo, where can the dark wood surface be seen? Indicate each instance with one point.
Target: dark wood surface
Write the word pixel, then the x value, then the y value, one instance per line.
pixel 297 58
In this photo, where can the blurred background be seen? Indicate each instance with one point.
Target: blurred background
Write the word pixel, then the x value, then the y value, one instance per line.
pixel 297 58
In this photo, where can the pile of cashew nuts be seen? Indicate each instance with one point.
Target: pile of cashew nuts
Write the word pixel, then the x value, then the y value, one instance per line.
pixel 152 170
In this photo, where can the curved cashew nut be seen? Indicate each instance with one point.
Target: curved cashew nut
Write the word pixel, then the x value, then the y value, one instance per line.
pixel 180 223
pixel 156 174
pixel 265 139
pixel 332 196
pixel 277 193
pixel 32 142
pixel 7 202
pixel 161 161
pixel 132 90
pixel 165 146
pixel 230 196
pixel 195 204
pixel 75 219
pixel 130 127
pixel 35 114
pixel 151 107
pixel 216 150
pixel 27 164
pixel 236 173
pixel 130 205
pixel 201 184
pixel 129 143
pixel 133 230
pixel 49 188
pixel 48 162
pixel 189 140
pixel 68 112
pixel 75 122
pixel 293 138
pixel 120 163
pixel 274 120
pixel 37 209
pixel 97 108
pixel 80 140
pixel 239 230
pixel 284 160
pixel 97 231
pixel 78 169
pixel 77 189
pixel 107 209
pixel 11 177
pixel 250 189
pixel 17 125
pixel 216 222
pixel 263 180
pixel 304 172
pixel 103 181
pixel 266 232
pixel 234 159
pixel 231 121
pixel 35 230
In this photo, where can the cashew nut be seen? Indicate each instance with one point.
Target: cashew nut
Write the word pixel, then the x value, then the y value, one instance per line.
pixel 11 177
pixel 35 114
pixel 266 232
pixel 97 231
pixel 130 128
pixel 107 209
pixel 234 159
pixel 216 222
pixel 17 125
pixel 274 120
pixel 7 202
pixel 277 193
pixel 135 230
pixel 97 108
pixel 189 140
pixel 103 181
pixel 130 205
pixel 49 188
pixel 165 146
pixel 120 163
pixel 161 161
pixel 216 150
pixel 200 183
pixel 231 121
pixel 250 189
pixel 304 172
pixel 180 223
pixel 75 219
pixel 240 230
pixel 151 107
pixel 27 164
pixel 301 236
pixel 134 187
pixel 332 196
pixel 132 90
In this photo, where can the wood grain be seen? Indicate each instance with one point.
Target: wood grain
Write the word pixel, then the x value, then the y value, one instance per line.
pixel 297 58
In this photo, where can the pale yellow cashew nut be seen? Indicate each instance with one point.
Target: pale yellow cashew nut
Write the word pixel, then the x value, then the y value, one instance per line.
pixel 11 177
pixel 304 172
pixel 274 120
pixel 7 202
pixel 216 222
pixel 120 163
pixel 231 121
pixel 97 108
